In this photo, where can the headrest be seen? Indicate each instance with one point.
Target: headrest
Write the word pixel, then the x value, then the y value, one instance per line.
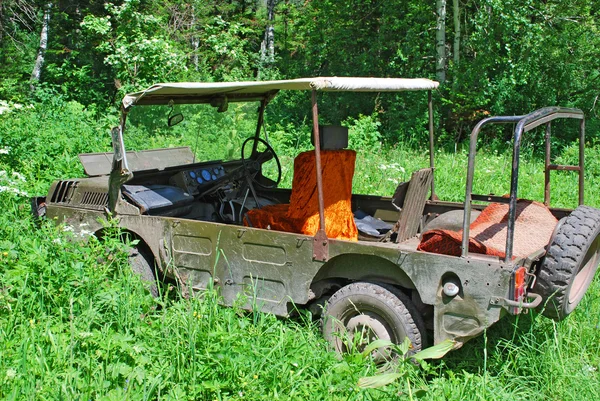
pixel 333 137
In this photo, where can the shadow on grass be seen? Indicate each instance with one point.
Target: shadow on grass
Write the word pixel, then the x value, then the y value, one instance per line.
pixel 485 351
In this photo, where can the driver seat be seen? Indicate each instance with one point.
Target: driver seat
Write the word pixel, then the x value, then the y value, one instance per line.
pixel 301 215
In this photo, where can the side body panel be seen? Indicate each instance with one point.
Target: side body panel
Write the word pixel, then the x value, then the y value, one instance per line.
pixel 271 271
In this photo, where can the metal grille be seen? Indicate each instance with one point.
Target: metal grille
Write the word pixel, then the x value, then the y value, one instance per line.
pixel 95 199
pixel 63 192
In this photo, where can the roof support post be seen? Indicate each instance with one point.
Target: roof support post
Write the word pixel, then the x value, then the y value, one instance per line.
pixel 320 243
pixel 547 161
pixel 581 158
pixel 431 147
pixel 120 172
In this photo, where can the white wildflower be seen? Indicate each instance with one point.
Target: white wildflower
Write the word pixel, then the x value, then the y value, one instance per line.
pixel 18 176
pixel 11 373
pixel 85 233
pixel 5 150
pixel 16 191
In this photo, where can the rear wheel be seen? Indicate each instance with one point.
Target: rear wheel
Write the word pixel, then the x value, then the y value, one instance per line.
pixel 570 263
pixel 361 312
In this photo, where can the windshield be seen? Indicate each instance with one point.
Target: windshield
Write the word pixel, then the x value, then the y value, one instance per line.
pixel 210 134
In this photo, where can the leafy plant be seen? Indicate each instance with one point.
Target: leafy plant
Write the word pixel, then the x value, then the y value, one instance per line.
pixel 364 133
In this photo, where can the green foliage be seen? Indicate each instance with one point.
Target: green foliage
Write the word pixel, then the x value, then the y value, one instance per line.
pixel 132 46
pixel 363 133
pixel 44 139
pixel 520 56
pixel 514 57
pixel 75 323
pixel 227 50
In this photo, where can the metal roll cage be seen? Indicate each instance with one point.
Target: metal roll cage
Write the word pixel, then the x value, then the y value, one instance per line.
pixel 523 123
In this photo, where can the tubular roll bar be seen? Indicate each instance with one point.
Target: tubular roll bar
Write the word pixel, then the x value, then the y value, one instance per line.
pixel 523 123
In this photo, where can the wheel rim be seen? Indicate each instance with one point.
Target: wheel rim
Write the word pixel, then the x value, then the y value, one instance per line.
pixel 369 324
pixel 584 275
pixel 364 327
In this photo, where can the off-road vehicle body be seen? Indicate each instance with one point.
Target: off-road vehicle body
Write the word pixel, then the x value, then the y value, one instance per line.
pixel 194 223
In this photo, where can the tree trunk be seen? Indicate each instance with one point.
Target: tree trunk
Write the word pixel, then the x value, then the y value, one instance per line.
pixel 267 47
pixel 456 48
pixel 440 39
pixel 39 61
pixel 195 40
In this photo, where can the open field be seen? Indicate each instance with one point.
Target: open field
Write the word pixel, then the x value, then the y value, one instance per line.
pixel 75 323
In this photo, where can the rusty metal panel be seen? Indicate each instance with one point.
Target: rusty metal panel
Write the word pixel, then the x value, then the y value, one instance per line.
pixel 98 164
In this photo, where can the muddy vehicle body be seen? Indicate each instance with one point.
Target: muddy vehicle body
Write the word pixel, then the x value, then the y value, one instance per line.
pixel 196 223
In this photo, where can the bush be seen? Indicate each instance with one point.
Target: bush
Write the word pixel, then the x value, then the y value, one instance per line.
pixel 364 132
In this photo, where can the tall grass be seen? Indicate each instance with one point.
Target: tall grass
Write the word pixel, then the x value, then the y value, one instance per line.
pixel 76 324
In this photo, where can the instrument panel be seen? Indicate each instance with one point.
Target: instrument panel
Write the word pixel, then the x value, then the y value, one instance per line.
pixel 194 180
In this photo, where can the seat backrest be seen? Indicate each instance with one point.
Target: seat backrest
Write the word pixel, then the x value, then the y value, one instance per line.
pixel 337 173
pixel 414 203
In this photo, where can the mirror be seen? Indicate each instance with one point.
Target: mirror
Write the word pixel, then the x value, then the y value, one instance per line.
pixel 173 119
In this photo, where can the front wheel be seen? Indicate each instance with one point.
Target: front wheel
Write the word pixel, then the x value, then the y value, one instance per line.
pixel 371 311
pixel 142 265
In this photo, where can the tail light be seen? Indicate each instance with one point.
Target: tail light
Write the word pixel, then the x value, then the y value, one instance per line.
pixel 520 284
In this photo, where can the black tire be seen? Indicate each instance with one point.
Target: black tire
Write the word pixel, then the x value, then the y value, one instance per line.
pixel 386 312
pixel 570 263
pixel 143 265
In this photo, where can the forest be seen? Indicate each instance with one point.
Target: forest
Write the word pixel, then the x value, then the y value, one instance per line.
pixel 76 323
pixel 492 57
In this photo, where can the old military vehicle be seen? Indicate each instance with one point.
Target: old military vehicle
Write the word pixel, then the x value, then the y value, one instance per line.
pixel 407 265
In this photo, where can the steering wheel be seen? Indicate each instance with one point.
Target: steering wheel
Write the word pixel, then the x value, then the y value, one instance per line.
pixel 253 165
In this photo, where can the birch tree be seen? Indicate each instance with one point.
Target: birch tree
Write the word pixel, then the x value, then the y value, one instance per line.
pixel 456 47
pixel 267 47
pixel 41 54
pixel 440 42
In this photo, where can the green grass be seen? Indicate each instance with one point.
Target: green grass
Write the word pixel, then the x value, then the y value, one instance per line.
pixel 75 324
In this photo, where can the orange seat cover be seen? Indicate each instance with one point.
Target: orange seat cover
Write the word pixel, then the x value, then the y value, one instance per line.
pixel 301 215
pixel 534 225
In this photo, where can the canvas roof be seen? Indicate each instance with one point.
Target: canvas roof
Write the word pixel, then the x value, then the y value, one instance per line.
pixel 204 92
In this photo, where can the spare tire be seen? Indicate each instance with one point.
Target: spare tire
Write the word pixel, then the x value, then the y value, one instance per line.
pixel 570 263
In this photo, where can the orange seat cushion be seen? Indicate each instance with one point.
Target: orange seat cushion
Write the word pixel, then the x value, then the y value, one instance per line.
pixel 302 214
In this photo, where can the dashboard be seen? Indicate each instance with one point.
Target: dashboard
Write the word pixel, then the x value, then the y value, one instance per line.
pixel 193 181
